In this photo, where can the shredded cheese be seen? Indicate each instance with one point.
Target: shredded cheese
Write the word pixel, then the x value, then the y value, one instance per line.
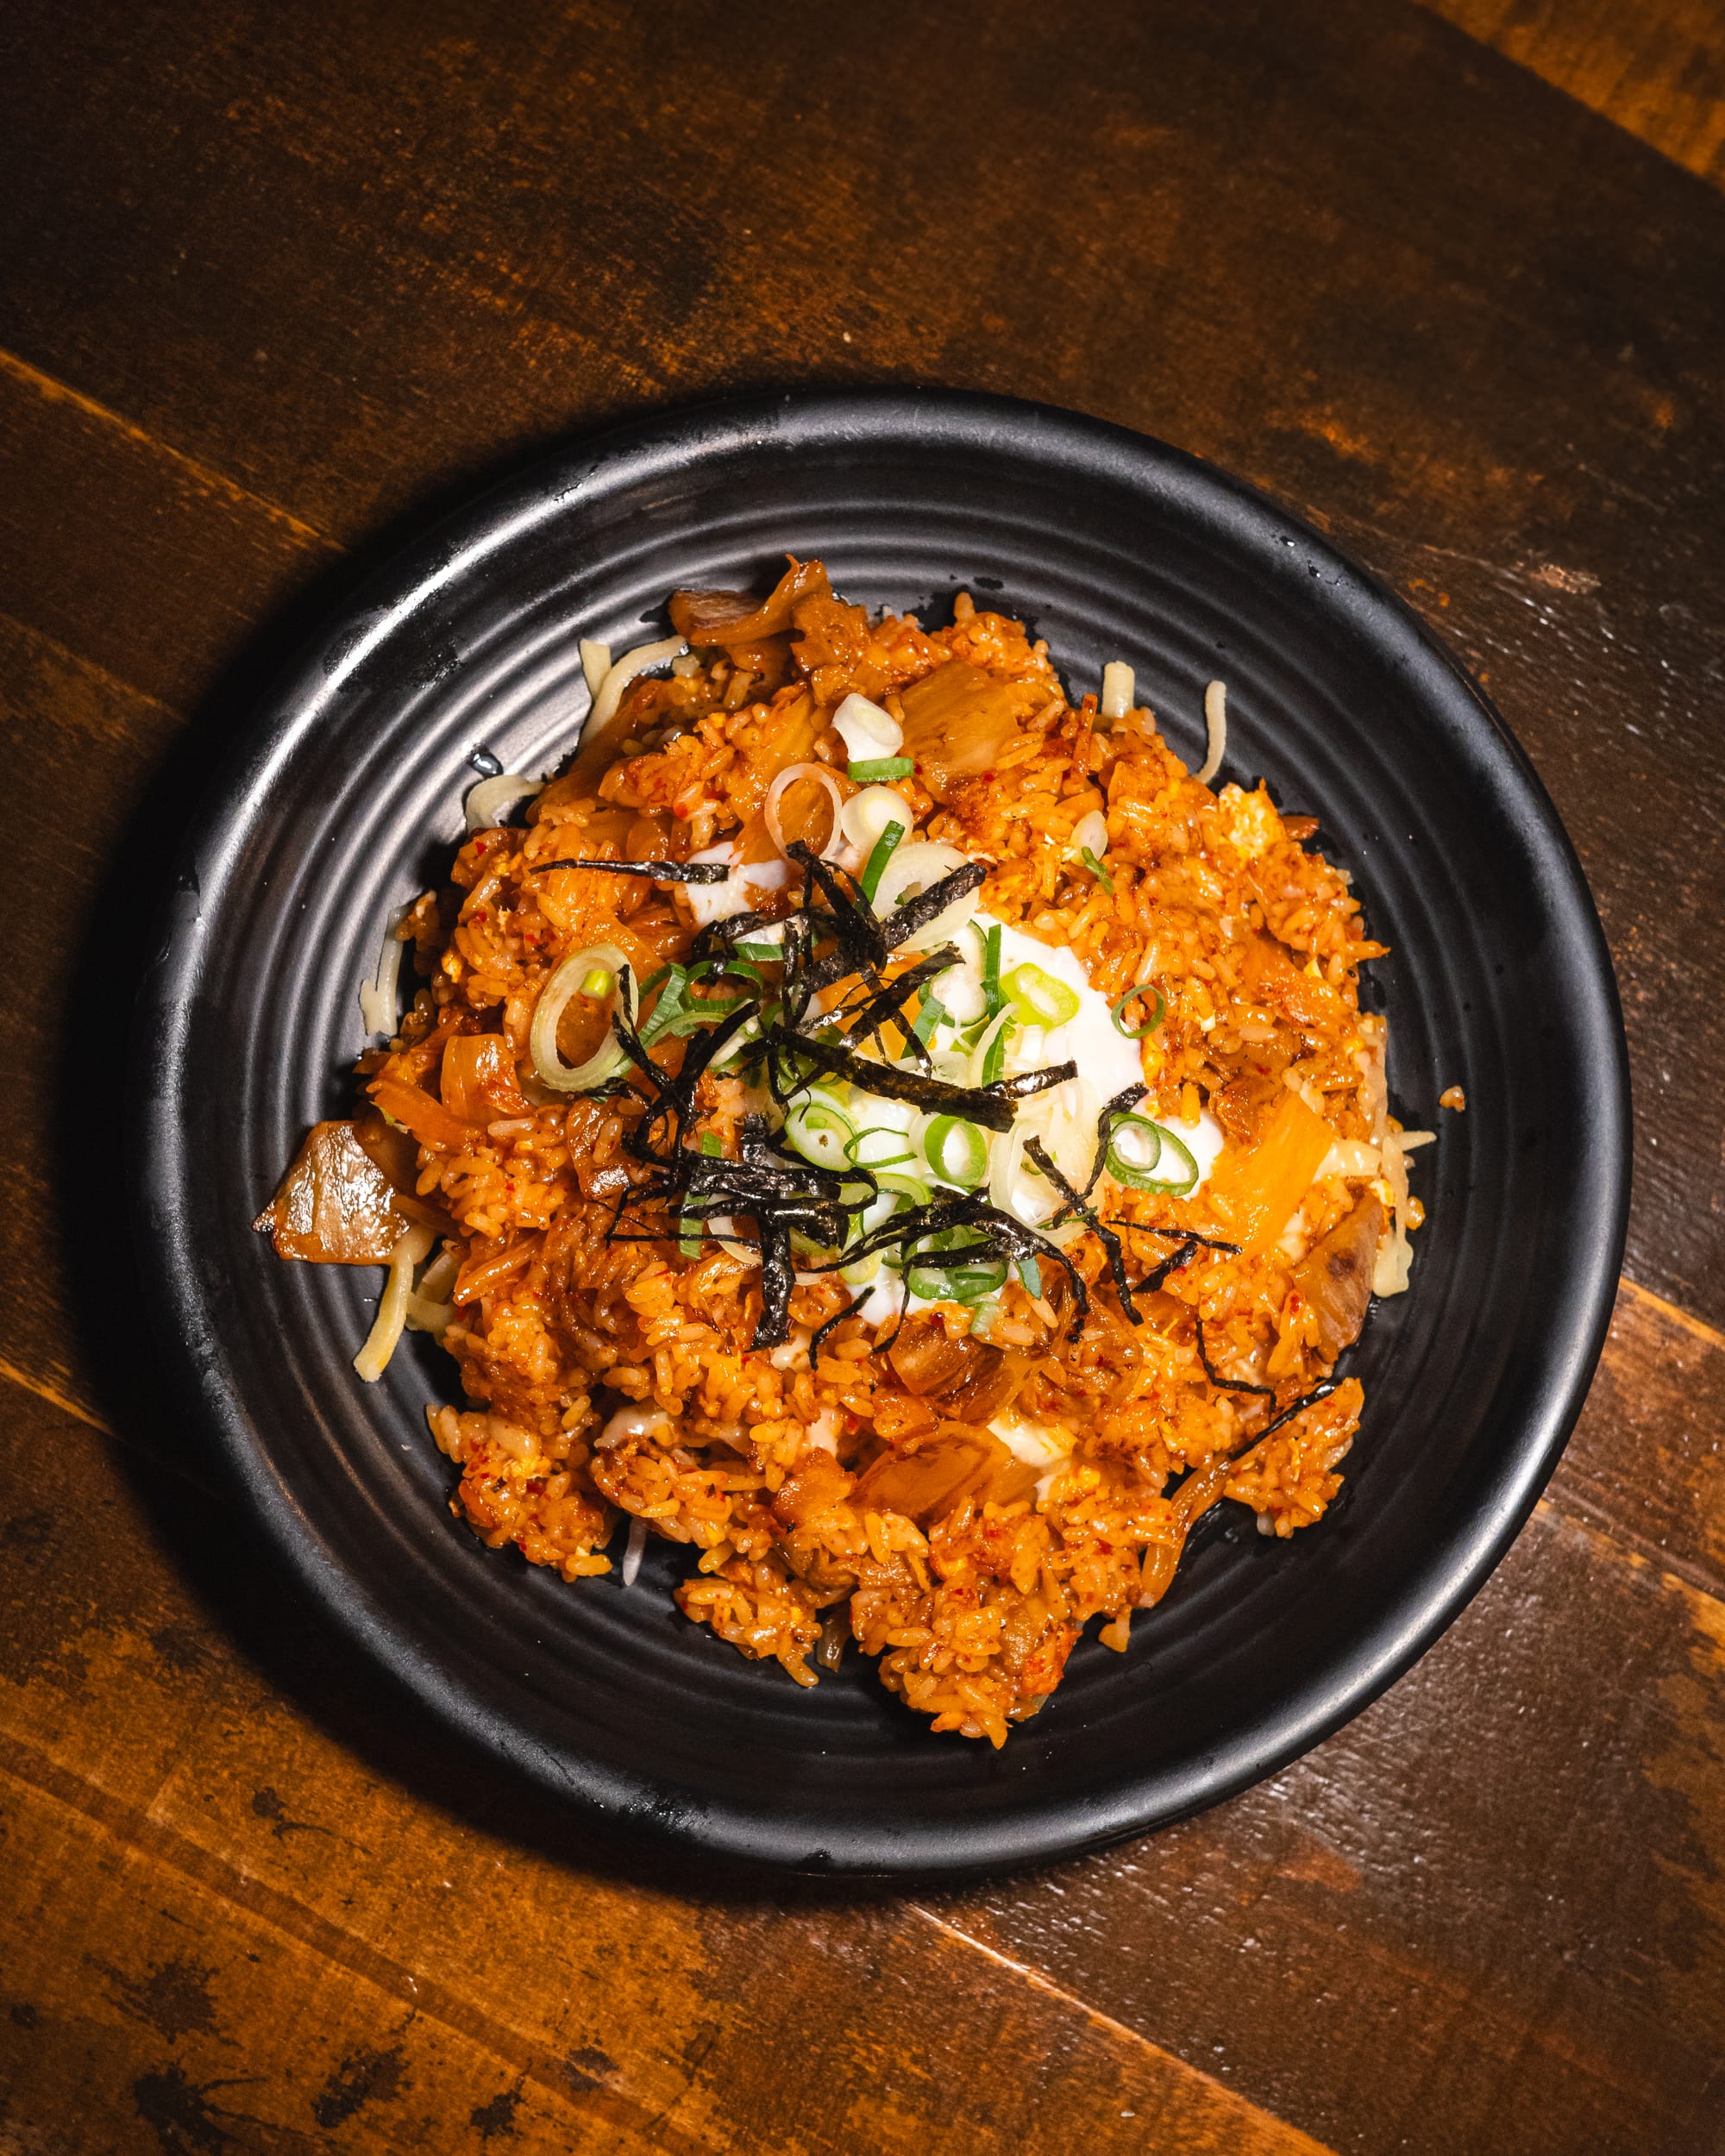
pixel 1216 726
pixel 642 660
pixel 411 1248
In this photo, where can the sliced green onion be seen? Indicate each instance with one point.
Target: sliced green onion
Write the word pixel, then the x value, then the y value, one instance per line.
pixel 1031 1274
pixel 991 971
pixel 1179 1170
pixel 1162 1162
pixel 1135 1168
pixel 610 1057
pixel 763 954
pixel 878 767
pixel 598 981
pixel 1096 869
pixel 1039 998
pixel 1160 1012
pixel 876 866
pixel 907 1187
pixel 710 1145
pixel 994 1062
pixel 956 1151
pixel 820 1133
pixel 943 1271
pixel 931 1013
pixel 878 1147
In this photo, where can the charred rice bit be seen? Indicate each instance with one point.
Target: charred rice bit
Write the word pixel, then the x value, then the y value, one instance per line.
pixel 610 1377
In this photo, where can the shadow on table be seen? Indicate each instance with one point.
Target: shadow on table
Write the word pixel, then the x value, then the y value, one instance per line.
pixel 175 1471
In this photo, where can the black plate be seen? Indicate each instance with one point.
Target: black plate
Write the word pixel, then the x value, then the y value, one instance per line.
pixel 344 799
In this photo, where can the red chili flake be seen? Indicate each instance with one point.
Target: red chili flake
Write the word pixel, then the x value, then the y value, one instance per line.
pixel 508 1190
pixel 478 914
pixel 479 845
pixel 681 814
pixel 535 1486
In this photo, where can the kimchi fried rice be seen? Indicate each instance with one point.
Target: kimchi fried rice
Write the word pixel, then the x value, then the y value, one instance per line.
pixel 885 1127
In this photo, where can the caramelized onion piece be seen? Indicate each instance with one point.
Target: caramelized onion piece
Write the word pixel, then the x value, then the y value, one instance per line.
pixel 1335 1278
pixel 336 1205
pixel 397 1153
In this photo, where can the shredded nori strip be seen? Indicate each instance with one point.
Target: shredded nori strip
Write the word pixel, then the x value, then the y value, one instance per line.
pixel 672 1098
pixel 990 1106
pixel 904 921
pixel 838 1318
pixel 716 939
pixel 888 1007
pixel 1227 1384
pixel 1000 1236
pixel 1109 1241
pixel 1157 1275
pixel 775 1189
pixel 852 920
pixel 1307 1400
pixel 660 871
pixel 1122 1104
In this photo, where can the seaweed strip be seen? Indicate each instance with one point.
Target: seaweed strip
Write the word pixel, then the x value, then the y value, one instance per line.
pixel 1226 1384
pixel 1122 1104
pixel 838 1318
pixel 1110 1242
pixel 904 921
pixel 888 1006
pixel 660 871
pixel 1307 1400
pixel 990 1106
pixel 1005 1236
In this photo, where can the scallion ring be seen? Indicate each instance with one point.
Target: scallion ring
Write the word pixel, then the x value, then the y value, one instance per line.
pixel 956 1151
pixel 1134 1148
pixel 1179 1170
pixel 878 1147
pixel 1160 1012
pixel 820 1133
pixel 878 768
pixel 569 981
pixel 1038 997
pixel 876 866
pixel 951 1268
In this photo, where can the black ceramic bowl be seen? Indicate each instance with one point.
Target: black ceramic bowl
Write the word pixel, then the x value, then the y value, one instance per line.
pixel 344 799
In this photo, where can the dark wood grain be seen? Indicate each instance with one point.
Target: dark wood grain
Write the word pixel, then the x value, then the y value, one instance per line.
pixel 1397 279
pixel 279 282
pixel 252 1887
pixel 1657 68
pixel 1445 1888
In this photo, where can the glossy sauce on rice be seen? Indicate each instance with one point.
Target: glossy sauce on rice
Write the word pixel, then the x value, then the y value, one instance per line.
pixel 957 1482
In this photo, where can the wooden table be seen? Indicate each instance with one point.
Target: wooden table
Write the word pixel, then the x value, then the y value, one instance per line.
pixel 278 280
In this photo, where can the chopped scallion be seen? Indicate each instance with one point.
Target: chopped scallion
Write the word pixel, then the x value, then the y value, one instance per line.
pixel 875 768
pixel 876 866
pixel 1160 1011
pixel 1096 869
pixel 1038 997
pixel 956 1151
